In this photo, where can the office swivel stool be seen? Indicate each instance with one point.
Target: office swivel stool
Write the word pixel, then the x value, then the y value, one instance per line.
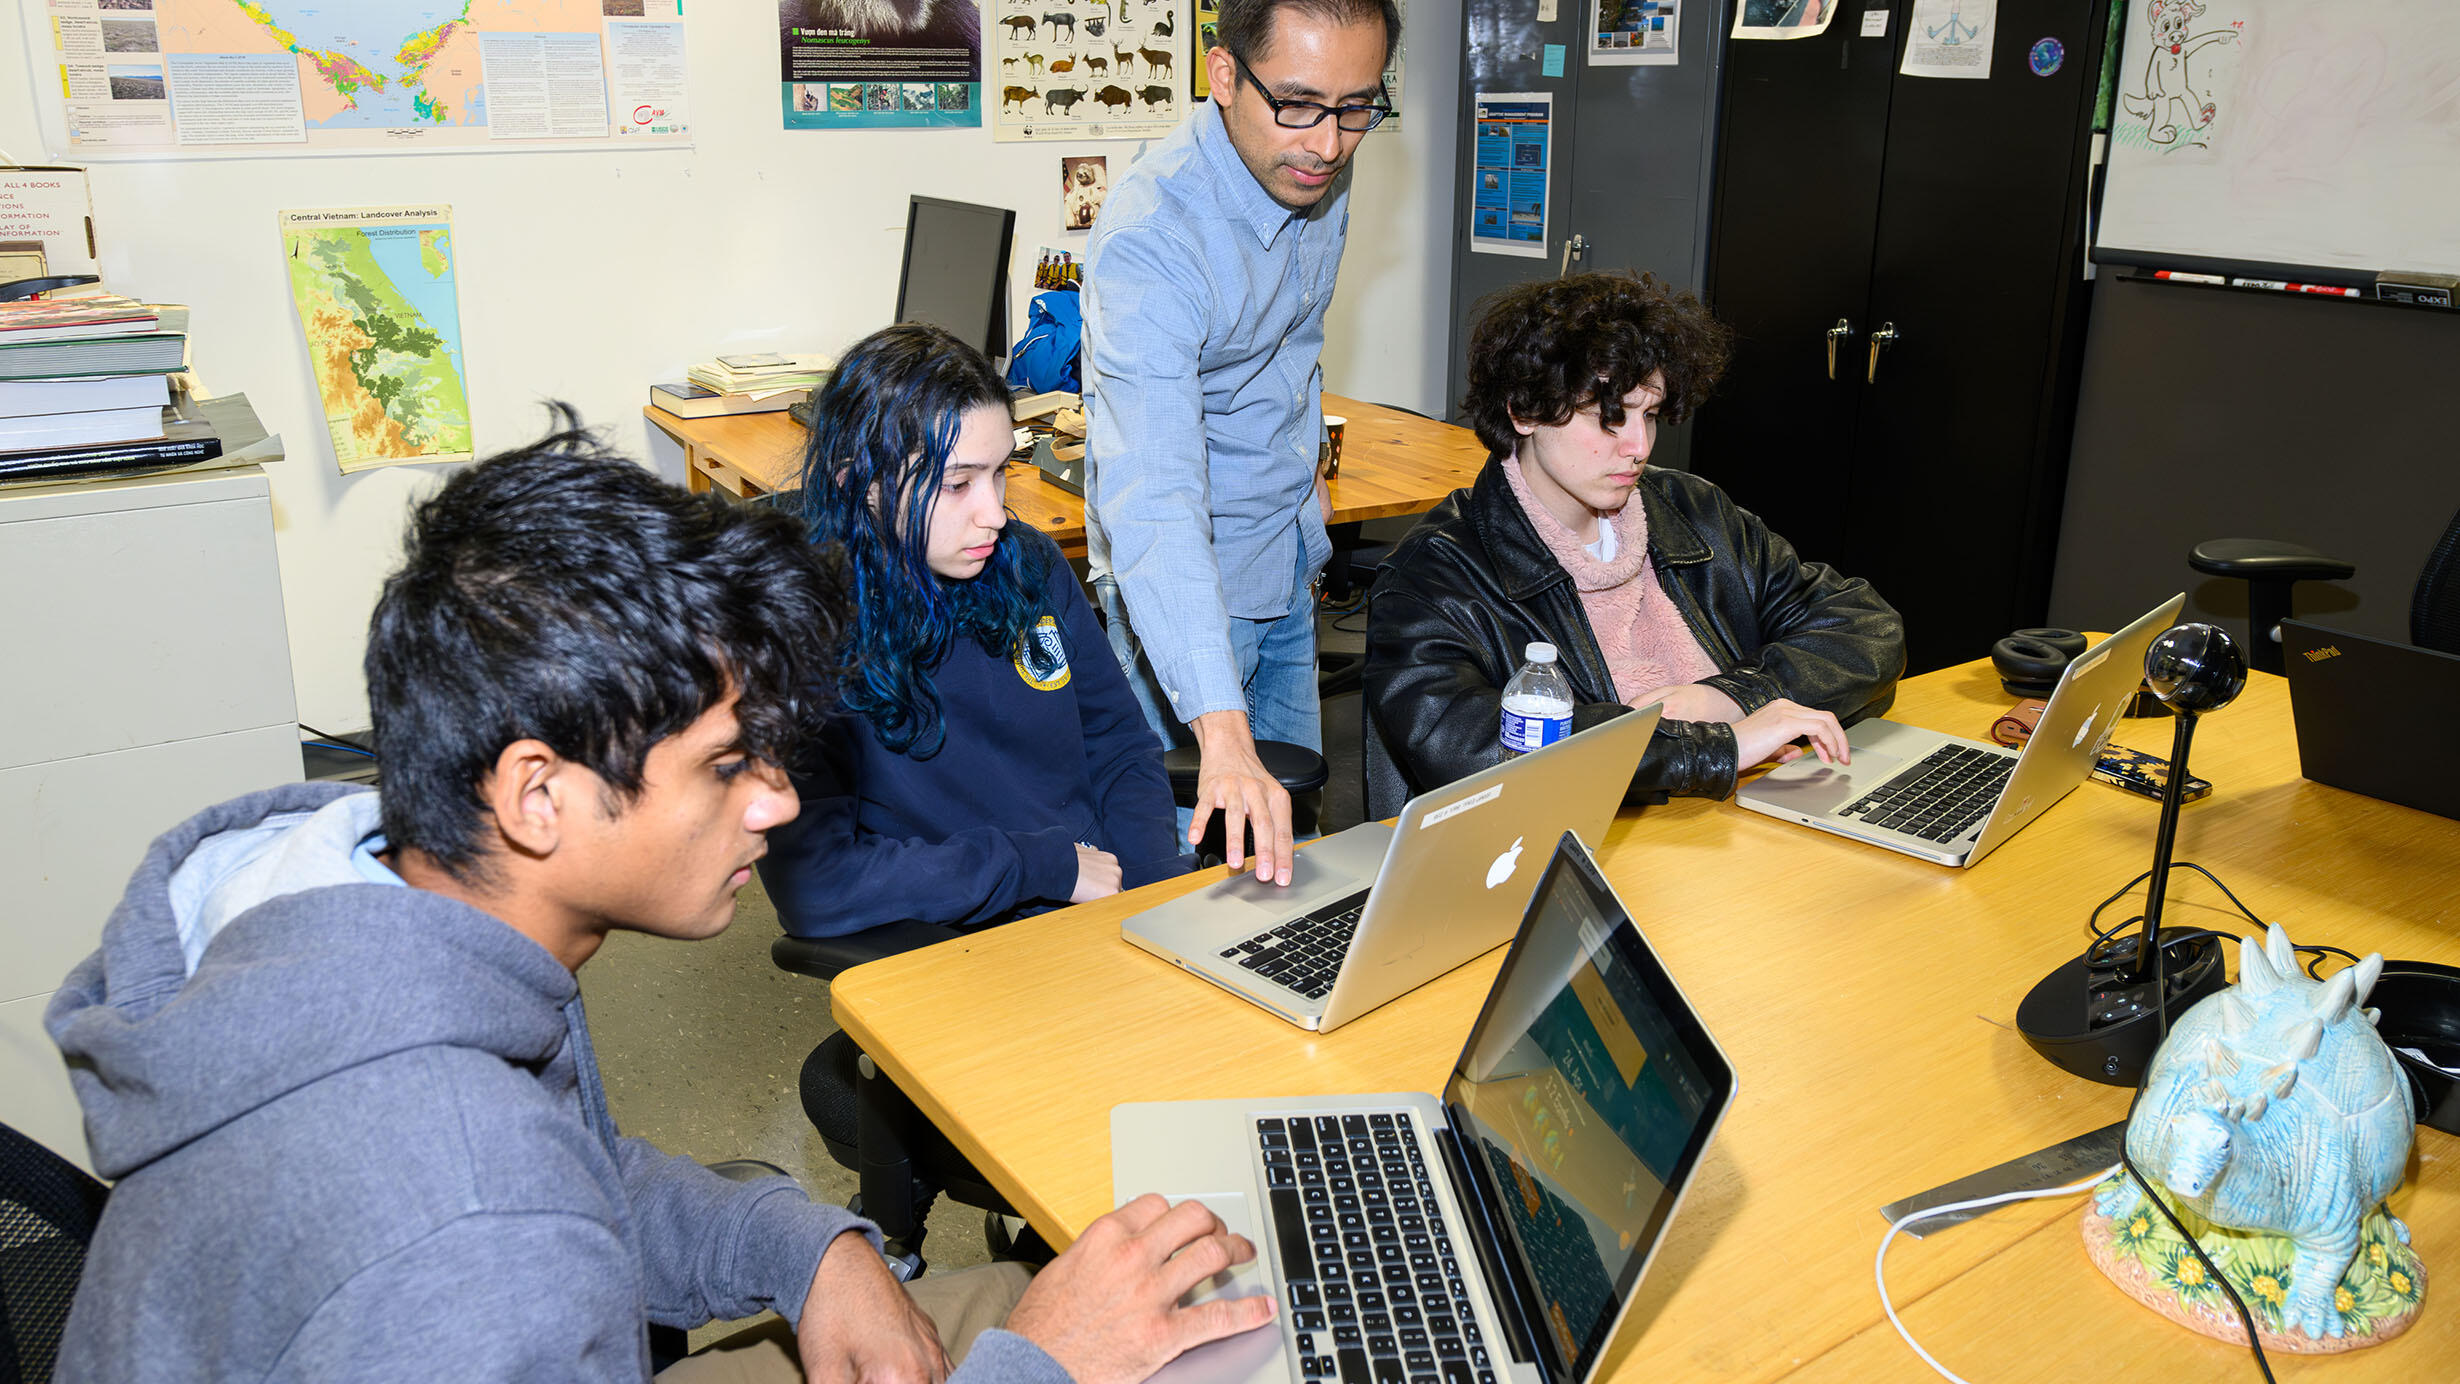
pixel 2271 568
pixel 901 1161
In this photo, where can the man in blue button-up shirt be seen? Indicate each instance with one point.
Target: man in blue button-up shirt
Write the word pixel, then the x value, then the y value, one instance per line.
pixel 1207 280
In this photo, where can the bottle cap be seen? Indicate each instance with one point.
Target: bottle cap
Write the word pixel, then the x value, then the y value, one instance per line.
pixel 1539 653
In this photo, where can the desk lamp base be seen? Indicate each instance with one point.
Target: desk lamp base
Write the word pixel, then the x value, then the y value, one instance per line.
pixel 2089 1019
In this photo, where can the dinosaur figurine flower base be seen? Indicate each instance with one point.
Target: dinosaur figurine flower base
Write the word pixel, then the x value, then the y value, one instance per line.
pixel 2274 1121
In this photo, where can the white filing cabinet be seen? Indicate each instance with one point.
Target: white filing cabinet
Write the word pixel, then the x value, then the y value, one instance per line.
pixel 147 676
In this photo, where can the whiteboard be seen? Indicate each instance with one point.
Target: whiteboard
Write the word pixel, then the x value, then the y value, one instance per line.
pixel 2286 133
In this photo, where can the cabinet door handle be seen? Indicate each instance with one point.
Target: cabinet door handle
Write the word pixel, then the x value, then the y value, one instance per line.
pixel 1837 333
pixel 1880 339
pixel 1575 251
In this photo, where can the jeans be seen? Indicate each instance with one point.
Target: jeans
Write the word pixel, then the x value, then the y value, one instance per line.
pixel 1276 665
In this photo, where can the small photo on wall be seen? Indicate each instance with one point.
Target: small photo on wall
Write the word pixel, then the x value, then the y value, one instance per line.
pixel 1083 183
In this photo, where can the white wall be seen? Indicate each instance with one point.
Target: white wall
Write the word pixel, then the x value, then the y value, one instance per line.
pixel 587 276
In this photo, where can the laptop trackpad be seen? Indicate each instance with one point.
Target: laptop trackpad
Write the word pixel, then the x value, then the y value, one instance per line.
pixel 1312 882
pixel 1251 1355
pixel 1815 789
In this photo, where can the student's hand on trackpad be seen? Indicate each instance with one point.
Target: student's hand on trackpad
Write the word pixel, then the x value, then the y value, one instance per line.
pixel 1769 733
pixel 1109 1311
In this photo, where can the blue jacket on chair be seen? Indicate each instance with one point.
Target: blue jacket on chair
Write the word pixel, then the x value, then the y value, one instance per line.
pixel 1046 747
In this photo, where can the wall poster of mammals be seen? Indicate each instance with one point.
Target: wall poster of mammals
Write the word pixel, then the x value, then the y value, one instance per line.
pixel 1085 69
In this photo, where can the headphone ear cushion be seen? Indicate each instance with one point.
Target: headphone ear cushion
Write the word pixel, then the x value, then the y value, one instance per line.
pixel 2029 666
pixel 2067 642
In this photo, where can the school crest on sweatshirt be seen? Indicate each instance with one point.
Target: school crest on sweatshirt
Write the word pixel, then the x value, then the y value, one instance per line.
pixel 1042 656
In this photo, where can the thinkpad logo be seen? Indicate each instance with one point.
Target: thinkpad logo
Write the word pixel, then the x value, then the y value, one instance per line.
pixel 2319 655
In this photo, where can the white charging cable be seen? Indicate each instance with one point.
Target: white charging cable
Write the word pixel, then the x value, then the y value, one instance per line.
pixel 1879 1268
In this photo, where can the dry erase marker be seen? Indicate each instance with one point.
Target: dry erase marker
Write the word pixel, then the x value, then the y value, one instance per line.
pixel 2177 277
pixel 2275 285
pixel 2328 290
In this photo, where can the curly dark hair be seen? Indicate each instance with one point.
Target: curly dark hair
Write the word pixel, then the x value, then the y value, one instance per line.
pixel 1542 351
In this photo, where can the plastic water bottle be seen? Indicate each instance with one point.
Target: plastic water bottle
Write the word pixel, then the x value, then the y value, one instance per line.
pixel 1537 703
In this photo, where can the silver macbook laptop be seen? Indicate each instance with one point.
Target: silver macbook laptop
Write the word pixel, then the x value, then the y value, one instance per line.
pixel 1495 1233
pixel 1376 911
pixel 1954 800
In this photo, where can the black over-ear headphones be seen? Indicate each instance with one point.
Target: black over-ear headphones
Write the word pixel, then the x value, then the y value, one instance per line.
pixel 2030 661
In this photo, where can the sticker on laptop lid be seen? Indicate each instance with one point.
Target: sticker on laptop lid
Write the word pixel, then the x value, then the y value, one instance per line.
pixel 1477 799
pixel 2096 660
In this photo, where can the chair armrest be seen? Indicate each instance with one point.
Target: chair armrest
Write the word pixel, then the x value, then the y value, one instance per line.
pixel 824 957
pixel 2266 559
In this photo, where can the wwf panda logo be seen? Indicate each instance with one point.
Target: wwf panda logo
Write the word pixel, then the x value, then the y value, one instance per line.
pixel 1042 656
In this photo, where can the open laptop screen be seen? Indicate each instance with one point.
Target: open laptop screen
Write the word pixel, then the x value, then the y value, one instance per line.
pixel 1584 1099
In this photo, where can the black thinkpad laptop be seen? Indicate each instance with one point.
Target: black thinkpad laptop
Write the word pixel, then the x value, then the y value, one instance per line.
pixel 2345 690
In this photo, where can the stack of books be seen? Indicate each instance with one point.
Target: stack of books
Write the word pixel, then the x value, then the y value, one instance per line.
pixel 763 383
pixel 89 390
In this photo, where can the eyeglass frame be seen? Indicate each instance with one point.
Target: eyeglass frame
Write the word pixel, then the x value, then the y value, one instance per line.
pixel 1380 111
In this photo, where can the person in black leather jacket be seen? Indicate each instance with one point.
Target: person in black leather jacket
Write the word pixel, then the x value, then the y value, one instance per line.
pixel 1567 381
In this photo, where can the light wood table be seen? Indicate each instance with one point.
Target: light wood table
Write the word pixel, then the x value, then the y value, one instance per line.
pixel 1868 1002
pixel 1392 463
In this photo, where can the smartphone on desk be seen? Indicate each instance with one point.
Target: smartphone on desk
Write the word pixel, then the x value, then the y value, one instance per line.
pixel 2143 774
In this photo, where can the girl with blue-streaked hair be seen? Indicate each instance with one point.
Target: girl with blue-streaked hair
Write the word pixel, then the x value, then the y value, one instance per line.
pixel 990 761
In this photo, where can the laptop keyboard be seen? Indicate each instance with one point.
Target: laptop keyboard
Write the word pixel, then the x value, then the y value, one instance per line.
pixel 1303 954
pixel 1374 1289
pixel 1940 797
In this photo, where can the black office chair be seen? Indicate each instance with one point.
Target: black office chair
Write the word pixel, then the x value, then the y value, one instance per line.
pixel 48 1210
pixel 2270 568
pixel 2434 611
pixel 900 1159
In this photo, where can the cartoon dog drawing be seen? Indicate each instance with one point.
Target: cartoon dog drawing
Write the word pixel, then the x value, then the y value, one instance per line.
pixel 2167 80
pixel 1061 20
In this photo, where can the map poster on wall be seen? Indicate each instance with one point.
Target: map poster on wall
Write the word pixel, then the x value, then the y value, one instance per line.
pixel 880 64
pixel 148 78
pixel 1086 69
pixel 1507 206
pixel 374 289
pixel 1634 33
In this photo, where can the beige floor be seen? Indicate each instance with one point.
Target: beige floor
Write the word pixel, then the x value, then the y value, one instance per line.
pixel 701 1044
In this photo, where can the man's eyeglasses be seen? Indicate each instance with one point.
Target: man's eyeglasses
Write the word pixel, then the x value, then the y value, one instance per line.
pixel 1306 115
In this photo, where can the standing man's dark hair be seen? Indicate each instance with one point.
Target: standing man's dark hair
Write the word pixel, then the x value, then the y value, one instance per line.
pixel 1246 26
pixel 564 594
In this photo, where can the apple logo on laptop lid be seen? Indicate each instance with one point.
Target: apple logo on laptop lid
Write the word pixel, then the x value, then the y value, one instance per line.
pixel 1504 864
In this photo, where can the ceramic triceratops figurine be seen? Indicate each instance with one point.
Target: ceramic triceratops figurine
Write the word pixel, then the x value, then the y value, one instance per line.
pixel 2274 1106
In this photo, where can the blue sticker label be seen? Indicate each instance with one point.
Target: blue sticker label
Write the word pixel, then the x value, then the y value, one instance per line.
pixel 2048 56
pixel 1521 734
pixel 1553 60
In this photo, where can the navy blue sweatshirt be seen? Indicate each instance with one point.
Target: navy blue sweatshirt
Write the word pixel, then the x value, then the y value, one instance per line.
pixel 1046 747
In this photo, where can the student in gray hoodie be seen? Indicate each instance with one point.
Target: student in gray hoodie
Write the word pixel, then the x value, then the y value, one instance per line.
pixel 332 1049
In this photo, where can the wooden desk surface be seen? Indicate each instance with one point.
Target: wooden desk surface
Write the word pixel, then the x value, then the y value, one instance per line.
pixel 1867 1000
pixel 1392 463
